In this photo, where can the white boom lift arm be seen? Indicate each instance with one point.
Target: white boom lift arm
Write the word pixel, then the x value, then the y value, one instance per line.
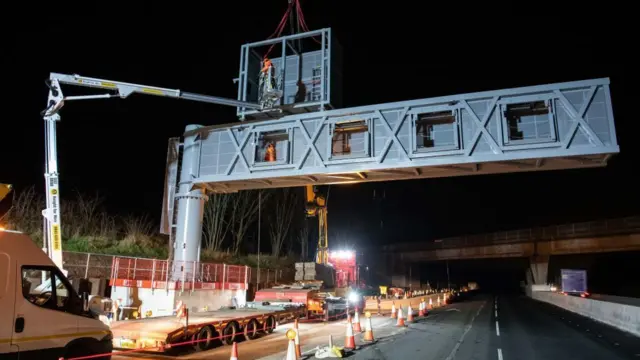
pixel 52 234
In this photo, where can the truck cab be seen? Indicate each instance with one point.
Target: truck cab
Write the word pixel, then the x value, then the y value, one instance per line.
pixel 41 315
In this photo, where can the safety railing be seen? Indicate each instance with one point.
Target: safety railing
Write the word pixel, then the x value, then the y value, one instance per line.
pixel 90 265
pixel 159 273
pixel 556 232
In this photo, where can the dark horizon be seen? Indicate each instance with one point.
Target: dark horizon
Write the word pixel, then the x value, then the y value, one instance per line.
pixel 118 147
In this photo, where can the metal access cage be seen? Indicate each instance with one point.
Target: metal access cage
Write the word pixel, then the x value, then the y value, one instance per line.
pixel 312 59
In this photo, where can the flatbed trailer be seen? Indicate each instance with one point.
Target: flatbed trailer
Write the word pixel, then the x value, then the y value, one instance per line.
pixel 204 329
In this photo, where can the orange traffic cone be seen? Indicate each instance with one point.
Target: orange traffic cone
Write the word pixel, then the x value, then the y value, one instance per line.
pixel 393 310
pixel 409 314
pixel 356 323
pixel 349 340
pixel 421 308
pixel 430 303
pixel 400 322
pixel 368 329
pixel 234 352
pixel 438 300
pixel 291 349
pixel 297 339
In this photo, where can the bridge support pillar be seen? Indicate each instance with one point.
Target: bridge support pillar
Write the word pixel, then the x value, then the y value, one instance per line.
pixel 190 211
pixel 538 269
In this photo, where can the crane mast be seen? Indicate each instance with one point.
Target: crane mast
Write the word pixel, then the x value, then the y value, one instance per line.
pixel 316 206
pixel 56 100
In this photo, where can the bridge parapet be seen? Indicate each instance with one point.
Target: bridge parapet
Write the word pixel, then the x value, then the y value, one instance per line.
pixel 596 228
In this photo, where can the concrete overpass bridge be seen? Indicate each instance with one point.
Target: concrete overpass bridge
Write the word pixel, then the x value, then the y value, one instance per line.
pixel 537 244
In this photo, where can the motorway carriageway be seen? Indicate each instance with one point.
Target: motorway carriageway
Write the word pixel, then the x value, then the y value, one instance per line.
pixel 484 327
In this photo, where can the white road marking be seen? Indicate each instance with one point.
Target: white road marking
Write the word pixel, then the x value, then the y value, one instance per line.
pixel 499 354
pixel 455 348
pixel 497 328
pixel 496 314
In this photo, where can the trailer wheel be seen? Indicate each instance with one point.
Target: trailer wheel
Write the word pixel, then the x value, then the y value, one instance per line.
pixel 205 338
pixel 229 333
pixel 269 325
pixel 251 329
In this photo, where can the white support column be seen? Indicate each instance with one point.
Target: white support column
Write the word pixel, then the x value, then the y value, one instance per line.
pixel 190 207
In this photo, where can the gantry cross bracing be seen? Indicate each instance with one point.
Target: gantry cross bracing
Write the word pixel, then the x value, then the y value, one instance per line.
pixel 545 127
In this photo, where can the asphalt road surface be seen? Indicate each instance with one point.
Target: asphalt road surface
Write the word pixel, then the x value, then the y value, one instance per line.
pixel 481 328
pixel 505 328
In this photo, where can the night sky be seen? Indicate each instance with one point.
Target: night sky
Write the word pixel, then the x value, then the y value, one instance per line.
pixel 118 147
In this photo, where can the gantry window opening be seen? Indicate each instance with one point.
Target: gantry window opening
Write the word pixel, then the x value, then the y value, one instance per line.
pixel 529 121
pixel 272 147
pixel 350 138
pixel 436 130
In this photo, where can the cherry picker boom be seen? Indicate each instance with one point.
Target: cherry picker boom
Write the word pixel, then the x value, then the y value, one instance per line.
pixel 56 100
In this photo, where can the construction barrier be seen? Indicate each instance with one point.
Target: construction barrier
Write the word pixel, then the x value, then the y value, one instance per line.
pixel 386 304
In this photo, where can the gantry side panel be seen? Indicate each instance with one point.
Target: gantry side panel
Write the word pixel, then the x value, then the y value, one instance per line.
pixel 533 128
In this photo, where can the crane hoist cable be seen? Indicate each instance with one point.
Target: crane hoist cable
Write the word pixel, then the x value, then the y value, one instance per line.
pixel 280 28
pixel 283 22
pixel 301 21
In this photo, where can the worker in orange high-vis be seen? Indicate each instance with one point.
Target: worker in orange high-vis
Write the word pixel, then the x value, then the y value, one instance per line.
pixel 270 153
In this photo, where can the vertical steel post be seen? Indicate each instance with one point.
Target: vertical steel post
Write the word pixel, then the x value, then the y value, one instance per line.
pixel 283 67
pixel 259 225
pixel 323 70
pixel 153 273
pixel 86 268
pixel 135 266
pixel 224 274
pixel 246 277
pixel 190 205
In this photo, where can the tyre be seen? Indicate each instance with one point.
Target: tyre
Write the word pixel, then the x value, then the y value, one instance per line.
pixel 251 329
pixel 269 325
pixel 205 338
pixel 229 333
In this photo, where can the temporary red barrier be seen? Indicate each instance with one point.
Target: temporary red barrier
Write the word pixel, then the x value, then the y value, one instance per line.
pixel 183 275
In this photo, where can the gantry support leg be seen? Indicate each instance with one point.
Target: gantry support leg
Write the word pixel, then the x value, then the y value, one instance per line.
pixel 190 211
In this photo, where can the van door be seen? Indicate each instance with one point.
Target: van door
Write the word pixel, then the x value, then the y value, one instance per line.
pixel 44 319
pixel 7 304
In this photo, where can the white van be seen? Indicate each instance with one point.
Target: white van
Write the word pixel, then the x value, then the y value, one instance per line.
pixel 41 315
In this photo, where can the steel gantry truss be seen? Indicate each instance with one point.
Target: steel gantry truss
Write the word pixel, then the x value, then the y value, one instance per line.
pixel 545 127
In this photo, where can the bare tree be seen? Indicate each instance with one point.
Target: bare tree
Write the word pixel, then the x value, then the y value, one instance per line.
pixel 303 239
pixel 244 211
pixel 281 216
pixel 80 215
pixel 216 225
